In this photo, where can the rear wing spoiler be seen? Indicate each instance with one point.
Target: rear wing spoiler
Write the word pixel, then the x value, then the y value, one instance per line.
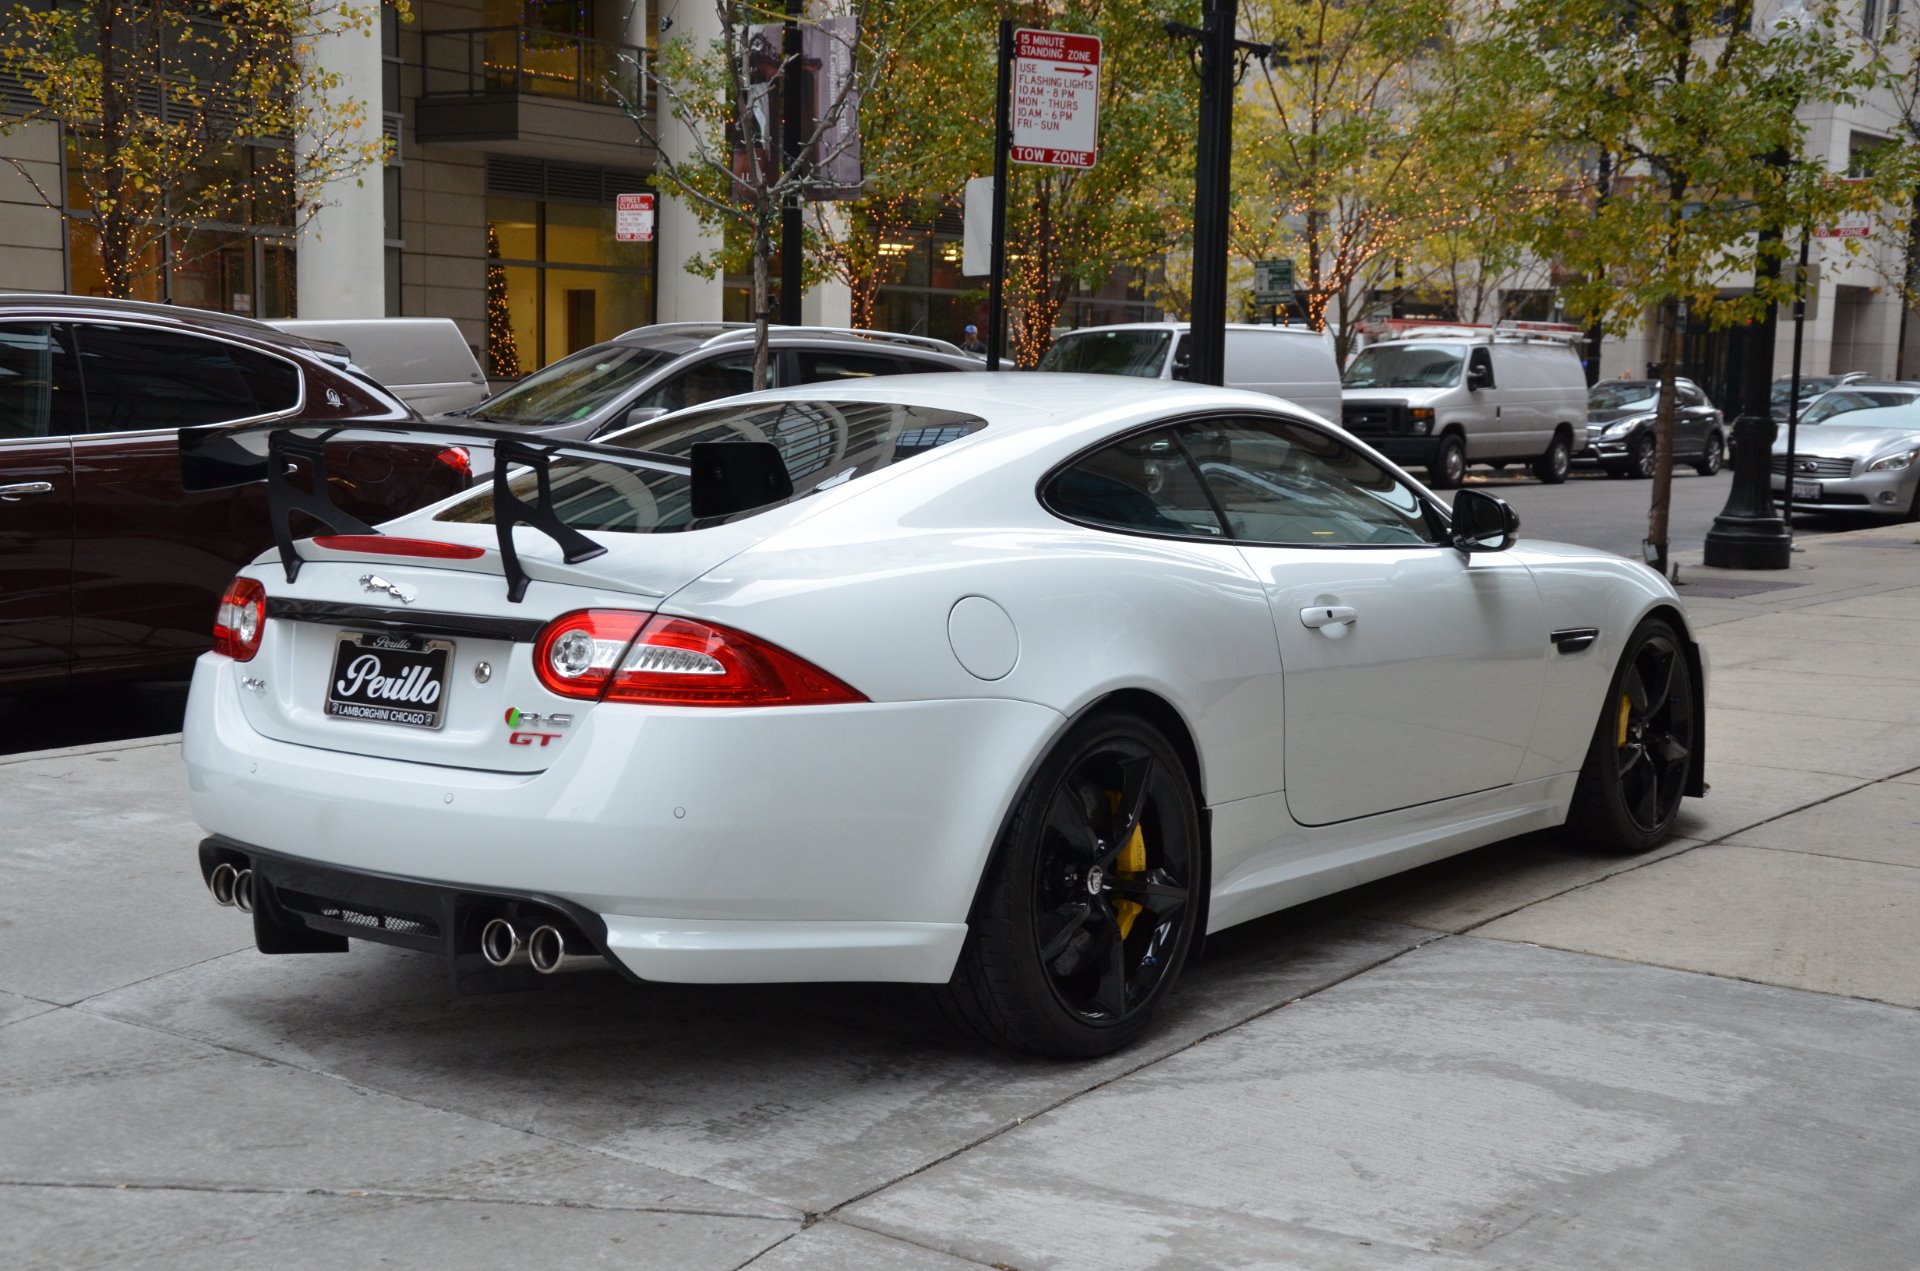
pixel 726 477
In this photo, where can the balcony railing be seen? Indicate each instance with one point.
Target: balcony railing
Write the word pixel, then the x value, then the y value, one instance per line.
pixel 500 60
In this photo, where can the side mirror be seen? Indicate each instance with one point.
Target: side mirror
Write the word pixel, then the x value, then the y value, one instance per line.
pixel 1479 375
pixel 1482 523
pixel 641 414
pixel 1183 368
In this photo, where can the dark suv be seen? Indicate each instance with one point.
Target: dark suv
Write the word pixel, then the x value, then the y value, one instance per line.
pixel 107 568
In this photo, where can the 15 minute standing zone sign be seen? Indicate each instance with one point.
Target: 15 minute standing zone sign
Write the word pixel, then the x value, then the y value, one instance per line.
pixel 1056 98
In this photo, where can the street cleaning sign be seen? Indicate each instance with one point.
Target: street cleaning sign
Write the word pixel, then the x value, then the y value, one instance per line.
pixel 633 218
pixel 1056 98
pixel 1847 225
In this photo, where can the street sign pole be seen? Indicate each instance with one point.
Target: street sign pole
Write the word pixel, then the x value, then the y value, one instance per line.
pixel 1793 391
pixel 1002 142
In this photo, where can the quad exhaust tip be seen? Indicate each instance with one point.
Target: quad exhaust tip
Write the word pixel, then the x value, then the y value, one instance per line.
pixel 221 883
pixel 501 945
pixel 243 891
pixel 547 950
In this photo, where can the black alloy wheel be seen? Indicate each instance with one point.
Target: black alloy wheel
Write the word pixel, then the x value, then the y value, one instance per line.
pixel 1712 457
pixel 1088 912
pixel 1641 757
pixel 1641 455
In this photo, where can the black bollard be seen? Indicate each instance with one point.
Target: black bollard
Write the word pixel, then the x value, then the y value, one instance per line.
pixel 1748 533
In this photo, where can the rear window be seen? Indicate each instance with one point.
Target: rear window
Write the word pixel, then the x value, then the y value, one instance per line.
pixel 823 444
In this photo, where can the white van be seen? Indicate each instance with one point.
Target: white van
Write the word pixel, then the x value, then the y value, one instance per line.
pixel 1290 362
pixel 422 361
pixel 1443 397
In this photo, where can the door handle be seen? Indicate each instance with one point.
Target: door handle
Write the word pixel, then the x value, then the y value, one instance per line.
pixel 1328 616
pixel 17 492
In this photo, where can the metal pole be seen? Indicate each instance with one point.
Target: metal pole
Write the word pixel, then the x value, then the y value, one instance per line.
pixel 1002 142
pixel 1212 169
pixel 792 241
pixel 1793 391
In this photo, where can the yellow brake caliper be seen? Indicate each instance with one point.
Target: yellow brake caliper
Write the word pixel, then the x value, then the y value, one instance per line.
pixel 1131 863
pixel 1626 708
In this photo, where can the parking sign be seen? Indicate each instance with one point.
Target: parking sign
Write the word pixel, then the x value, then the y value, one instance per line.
pixel 1056 98
pixel 633 218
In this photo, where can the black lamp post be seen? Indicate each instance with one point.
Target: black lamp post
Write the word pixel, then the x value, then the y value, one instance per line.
pixel 1220 58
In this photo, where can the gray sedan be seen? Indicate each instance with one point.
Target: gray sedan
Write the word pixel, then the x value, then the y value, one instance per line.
pixel 1865 461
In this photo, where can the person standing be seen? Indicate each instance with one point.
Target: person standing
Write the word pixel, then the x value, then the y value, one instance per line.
pixel 973 343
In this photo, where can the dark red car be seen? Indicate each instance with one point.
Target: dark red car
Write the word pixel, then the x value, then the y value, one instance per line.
pixel 107 568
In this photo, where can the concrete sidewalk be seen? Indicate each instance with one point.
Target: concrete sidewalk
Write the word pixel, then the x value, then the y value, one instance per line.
pixel 1524 1057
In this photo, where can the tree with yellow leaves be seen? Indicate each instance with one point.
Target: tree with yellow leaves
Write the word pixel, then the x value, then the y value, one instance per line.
pixel 184 113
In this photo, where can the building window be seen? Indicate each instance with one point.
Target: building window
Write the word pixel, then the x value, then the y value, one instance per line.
pixel 557 281
pixel 242 264
pixel 1870 19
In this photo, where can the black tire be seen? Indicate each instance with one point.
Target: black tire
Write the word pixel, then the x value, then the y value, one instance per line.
pixel 1552 466
pixel 1641 456
pixel 1055 963
pixel 1713 457
pixel 1449 465
pixel 1641 757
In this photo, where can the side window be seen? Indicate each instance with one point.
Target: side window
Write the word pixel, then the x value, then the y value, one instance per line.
pixel 1285 483
pixel 706 382
pixel 137 379
pixel 1480 362
pixel 1141 483
pixel 39 396
pixel 815 367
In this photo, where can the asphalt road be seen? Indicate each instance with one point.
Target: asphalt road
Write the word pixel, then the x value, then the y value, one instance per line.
pixel 1589 509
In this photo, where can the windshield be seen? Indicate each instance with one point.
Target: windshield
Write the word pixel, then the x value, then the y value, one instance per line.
pixel 1904 418
pixel 1406 366
pixel 1845 401
pixel 572 388
pixel 1811 386
pixel 822 443
pixel 1140 353
pixel 1624 395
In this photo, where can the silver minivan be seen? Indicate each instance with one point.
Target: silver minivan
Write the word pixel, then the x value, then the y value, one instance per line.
pixel 1441 398
pixel 1290 362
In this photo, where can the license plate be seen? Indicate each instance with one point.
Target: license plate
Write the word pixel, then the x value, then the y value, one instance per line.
pixel 1807 490
pixel 389 679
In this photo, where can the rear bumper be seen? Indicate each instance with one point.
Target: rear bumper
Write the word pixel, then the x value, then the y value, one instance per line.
pixel 830 843
pixel 1408 452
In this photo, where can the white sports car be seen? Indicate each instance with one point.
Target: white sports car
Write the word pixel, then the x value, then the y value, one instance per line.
pixel 1014 685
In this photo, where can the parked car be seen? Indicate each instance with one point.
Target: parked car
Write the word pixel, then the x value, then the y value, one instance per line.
pixel 425 362
pixel 652 370
pixel 1620 438
pixel 1291 363
pixel 1864 461
pixel 1811 386
pixel 1444 397
pixel 970 681
pixel 107 570
pixel 1860 395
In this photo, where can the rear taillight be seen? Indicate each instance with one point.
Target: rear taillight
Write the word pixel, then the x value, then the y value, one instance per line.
pixel 636 657
pixel 242 617
pixel 458 458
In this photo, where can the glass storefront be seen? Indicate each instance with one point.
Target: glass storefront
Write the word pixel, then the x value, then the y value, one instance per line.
pixel 557 282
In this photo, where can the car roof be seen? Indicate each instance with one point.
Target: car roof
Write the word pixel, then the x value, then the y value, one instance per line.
pixel 679 338
pixel 1011 401
pixel 1187 326
pixel 102 308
